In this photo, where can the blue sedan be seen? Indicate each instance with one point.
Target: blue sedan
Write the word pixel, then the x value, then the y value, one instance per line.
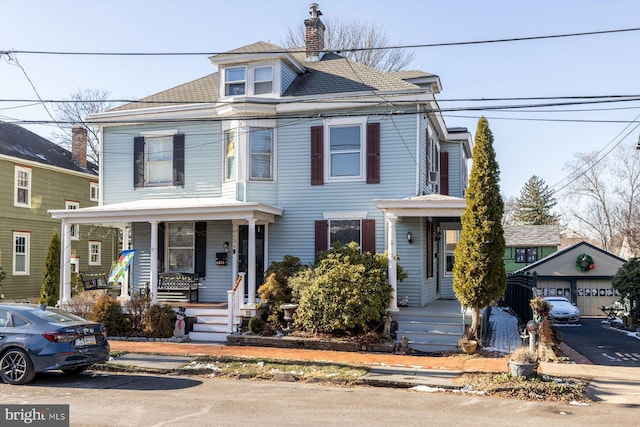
pixel 36 338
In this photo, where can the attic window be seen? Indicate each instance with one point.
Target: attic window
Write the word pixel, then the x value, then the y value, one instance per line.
pixel 235 79
pixel 262 80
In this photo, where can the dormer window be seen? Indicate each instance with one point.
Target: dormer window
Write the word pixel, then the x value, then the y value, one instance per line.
pixel 262 80
pixel 235 80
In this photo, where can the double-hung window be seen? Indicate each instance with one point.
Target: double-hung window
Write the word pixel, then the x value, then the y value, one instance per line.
pixel 261 146
pixel 230 154
pixel 95 252
pixel 21 248
pixel 22 196
pixel 94 191
pixel 180 246
pixel 262 80
pixel 158 159
pixel 345 152
pixel 344 231
pixel 235 81
pixel 75 230
pixel 345 227
pixel 526 255
pixel 451 239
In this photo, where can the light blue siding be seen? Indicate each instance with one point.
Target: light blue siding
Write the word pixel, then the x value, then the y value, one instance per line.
pixel 288 76
pixel 457 168
pixel 203 163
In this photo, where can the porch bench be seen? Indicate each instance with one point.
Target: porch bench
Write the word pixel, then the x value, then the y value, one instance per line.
pixel 178 287
pixel 92 281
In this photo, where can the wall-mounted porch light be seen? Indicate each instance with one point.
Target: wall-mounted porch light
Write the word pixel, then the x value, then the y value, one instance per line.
pixel 409 237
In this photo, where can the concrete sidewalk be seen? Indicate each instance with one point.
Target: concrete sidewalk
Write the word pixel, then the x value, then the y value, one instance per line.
pixel 616 385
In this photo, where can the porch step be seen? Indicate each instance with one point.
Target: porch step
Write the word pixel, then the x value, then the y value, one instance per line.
pixel 208 336
pixel 431 325
pixel 195 311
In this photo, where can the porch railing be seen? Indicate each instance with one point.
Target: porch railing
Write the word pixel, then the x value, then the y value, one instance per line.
pixel 234 301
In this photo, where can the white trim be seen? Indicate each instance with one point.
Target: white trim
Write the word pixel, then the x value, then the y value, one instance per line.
pixel 17 170
pixel 159 133
pixel 74 260
pixel 360 121
pixel 98 244
pixel 92 186
pixel 71 204
pixel 32 164
pixel 249 80
pixel 345 215
pixel 27 236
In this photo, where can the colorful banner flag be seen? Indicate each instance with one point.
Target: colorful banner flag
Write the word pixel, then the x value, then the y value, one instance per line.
pixel 122 265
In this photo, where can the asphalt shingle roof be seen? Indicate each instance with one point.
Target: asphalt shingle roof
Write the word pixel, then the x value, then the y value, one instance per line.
pixel 18 142
pixel 532 235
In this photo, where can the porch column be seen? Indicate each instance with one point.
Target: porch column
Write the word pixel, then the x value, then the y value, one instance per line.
pixel 393 266
pixel 235 249
pixel 153 253
pixel 251 268
pixel 265 253
pixel 65 291
pixel 124 285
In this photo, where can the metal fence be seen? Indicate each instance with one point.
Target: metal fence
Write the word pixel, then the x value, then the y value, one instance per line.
pixel 519 292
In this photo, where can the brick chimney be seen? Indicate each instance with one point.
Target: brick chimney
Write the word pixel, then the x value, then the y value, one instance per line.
pixel 79 146
pixel 314 35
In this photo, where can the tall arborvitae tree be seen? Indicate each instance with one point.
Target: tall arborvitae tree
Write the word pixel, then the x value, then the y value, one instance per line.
pixel 535 203
pixel 50 290
pixel 479 276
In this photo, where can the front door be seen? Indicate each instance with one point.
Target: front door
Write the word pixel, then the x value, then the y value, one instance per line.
pixel 243 252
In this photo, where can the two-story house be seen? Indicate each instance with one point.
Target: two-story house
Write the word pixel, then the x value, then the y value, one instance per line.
pixel 526 244
pixel 37 175
pixel 283 152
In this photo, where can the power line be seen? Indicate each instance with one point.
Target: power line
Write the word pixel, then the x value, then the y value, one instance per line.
pixel 338 50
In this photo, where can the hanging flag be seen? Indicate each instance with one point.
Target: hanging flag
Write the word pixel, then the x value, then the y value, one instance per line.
pixel 121 266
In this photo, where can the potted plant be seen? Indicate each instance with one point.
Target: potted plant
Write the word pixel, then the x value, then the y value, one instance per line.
pixel 523 362
pixel 467 345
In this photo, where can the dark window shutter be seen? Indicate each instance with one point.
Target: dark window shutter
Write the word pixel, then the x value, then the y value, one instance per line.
pixel 373 153
pixel 444 173
pixel 178 160
pixel 430 259
pixel 368 236
pixel 161 247
pixel 201 249
pixel 138 161
pixel 322 235
pixel 317 151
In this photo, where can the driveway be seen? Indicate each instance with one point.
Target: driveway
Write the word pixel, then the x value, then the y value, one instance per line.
pixel 602 344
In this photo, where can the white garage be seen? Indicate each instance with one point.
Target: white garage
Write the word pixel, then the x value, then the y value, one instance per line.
pixel 582 273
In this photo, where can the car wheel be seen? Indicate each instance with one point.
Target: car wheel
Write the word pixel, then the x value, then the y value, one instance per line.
pixel 16 367
pixel 75 371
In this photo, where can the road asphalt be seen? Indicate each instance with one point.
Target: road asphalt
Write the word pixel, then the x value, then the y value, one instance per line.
pixel 607 384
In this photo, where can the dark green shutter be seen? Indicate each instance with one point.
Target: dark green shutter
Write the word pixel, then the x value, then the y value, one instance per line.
pixel 201 249
pixel 178 160
pixel 138 161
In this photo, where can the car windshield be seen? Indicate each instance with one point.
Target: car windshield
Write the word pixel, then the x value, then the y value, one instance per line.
pixel 55 315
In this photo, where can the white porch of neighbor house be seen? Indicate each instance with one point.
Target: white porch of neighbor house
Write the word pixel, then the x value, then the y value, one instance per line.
pixel 156 211
pixel 436 324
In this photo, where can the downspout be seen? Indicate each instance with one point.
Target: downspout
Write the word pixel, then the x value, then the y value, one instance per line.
pixel 419 110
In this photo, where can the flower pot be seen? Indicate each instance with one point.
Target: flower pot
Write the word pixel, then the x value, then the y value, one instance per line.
pixel 522 369
pixel 469 346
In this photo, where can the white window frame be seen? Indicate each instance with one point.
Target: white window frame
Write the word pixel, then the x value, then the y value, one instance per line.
pixel 95 256
pixel 169 247
pixel 26 254
pixel 75 228
pixel 449 251
pixel 256 82
pixel 94 191
pixel 360 122
pixel 74 262
pixel 18 171
pixel 251 154
pixel 167 164
pixel 228 174
pixel 228 83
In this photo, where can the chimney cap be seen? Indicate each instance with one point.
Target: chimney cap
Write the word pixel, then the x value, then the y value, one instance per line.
pixel 313 10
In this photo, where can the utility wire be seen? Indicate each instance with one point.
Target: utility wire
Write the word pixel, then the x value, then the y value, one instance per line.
pixel 338 50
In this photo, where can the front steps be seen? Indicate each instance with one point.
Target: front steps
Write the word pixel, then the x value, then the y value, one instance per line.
pixel 211 324
pixel 431 329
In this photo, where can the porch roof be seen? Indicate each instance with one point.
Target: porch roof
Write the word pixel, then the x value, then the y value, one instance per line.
pixel 178 209
pixel 429 205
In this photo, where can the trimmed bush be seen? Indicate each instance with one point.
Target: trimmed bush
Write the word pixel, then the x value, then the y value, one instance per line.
pixel 108 311
pixel 136 308
pixel 346 292
pixel 159 321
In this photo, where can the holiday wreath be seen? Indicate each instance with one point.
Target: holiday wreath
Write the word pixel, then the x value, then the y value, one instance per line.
pixel 585 263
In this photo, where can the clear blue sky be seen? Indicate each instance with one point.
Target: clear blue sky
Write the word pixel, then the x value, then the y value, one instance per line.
pixel 579 66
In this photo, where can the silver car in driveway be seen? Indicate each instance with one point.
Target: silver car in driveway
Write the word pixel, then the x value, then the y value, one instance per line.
pixel 36 338
pixel 563 311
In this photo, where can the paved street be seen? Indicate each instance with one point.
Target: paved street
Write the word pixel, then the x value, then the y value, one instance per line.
pixel 149 400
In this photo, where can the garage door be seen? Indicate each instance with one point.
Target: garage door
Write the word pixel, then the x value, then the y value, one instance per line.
pixel 553 288
pixel 593 294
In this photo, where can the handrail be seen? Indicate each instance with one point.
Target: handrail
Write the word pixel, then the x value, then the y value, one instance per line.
pixel 234 303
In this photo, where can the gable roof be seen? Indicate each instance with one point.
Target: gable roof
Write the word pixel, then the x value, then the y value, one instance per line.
pixel 563 263
pixel 532 235
pixel 18 142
